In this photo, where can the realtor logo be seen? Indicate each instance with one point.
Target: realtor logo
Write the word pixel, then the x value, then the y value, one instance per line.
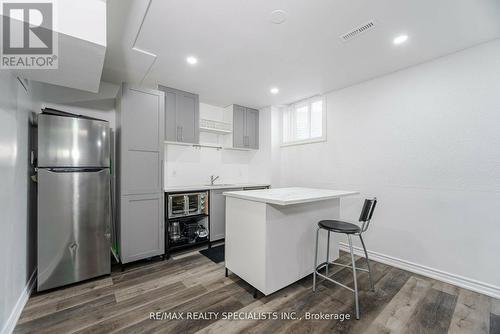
pixel 28 38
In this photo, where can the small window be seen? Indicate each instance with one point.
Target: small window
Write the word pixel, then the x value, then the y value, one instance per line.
pixel 304 122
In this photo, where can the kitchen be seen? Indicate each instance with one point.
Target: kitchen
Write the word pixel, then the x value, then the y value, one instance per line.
pixel 265 167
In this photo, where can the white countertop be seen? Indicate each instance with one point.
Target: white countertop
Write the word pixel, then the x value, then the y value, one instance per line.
pixel 215 186
pixel 288 196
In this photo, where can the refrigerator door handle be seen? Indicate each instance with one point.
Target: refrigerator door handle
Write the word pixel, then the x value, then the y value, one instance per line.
pixel 75 170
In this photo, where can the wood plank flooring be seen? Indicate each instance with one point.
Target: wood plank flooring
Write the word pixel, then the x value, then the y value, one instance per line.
pixel 122 303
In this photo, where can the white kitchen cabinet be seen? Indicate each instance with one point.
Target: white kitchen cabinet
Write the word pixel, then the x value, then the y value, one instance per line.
pixel 218 213
pixel 245 134
pixel 182 113
pixel 139 120
pixel 142 227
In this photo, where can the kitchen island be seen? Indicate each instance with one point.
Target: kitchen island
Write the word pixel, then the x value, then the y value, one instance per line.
pixel 270 233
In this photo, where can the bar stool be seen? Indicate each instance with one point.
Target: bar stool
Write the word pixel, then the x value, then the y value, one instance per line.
pixel 348 229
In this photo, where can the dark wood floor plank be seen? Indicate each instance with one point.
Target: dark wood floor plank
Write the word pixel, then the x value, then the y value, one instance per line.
pixel 471 313
pixel 192 326
pixel 433 313
pixel 395 315
pixel 55 296
pixel 63 303
pixel 271 303
pixel 445 287
pixel 46 323
pixel 495 306
pixel 388 284
pixel 130 285
pixel 494 323
pixel 122 302
pixel 43 304
pixel 326 293
pixel 83 320
pixel 202 303
pixel 128 318
pixel 186 263
pixel 335 299
pixel 137 285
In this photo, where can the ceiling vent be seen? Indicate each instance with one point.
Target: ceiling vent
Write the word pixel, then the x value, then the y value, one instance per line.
pixel 358 31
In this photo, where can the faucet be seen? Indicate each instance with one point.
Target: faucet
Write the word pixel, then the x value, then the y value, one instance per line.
pixel 213 178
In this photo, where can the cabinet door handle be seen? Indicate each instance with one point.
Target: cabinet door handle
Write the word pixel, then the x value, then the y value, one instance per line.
pixel 182 133
pixel 162 174
pixel 177 133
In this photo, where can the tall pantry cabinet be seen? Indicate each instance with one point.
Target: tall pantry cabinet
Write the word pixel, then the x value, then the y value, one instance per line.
pixel 140 134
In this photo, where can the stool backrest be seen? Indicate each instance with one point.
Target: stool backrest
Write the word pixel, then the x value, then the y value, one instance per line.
pixel 367 212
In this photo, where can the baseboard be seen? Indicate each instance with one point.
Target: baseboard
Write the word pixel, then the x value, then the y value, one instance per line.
pixel 463 282
pixel 18 308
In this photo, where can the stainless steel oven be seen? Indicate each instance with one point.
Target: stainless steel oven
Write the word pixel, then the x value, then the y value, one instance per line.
pixel 187 204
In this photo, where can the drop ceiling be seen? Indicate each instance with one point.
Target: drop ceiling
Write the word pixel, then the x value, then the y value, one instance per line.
pixel 242 54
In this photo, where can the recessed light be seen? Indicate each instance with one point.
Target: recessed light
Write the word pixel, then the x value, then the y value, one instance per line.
pixel 278 16
pixel 274 90
pixel 400 39
pixel 192 60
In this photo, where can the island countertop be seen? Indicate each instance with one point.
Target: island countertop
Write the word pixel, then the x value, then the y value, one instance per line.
pixel 289 196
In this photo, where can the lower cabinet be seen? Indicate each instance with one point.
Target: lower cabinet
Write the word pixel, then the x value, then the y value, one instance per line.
pixel 218 213
pixel 141 230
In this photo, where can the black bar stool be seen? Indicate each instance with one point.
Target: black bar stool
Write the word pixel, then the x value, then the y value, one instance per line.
pixel 348 229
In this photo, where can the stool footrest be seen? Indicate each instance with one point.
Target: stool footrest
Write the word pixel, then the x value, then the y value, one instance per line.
pixel 347 266
pixel 334 281
pixel 323 264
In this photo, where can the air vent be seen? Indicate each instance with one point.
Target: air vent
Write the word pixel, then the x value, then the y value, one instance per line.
pixel 358 31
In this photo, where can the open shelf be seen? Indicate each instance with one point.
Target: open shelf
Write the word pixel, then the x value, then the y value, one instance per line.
pixel 218 127
pixel 216 131
pixel 207 145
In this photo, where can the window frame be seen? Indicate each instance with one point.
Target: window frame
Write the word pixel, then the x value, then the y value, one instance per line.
pixel 294 106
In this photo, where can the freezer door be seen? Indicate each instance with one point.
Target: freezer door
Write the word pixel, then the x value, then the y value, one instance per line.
pixel 73 226
pixel 72 142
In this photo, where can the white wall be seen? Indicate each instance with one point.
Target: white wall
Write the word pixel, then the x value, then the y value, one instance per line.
pixel 17 231
pixel 99 105
pixel 16 258
pixel 426 142
pixel 186 165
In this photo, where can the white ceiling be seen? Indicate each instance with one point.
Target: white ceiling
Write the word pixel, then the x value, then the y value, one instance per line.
pixel 242 54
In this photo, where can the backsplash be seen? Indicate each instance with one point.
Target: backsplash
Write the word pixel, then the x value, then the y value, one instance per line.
pixel 186 165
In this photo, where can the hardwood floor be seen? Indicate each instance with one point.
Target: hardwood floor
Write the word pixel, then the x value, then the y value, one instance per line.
pixel 402 303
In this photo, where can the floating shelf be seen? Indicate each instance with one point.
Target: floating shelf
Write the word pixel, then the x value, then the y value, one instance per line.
pixel 217 131
pixel 218 147
pixel 218 127
pixel 178 143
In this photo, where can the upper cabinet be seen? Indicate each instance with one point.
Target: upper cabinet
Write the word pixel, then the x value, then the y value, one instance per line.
pixel 182 113
pixel 245 127
pixel 252 128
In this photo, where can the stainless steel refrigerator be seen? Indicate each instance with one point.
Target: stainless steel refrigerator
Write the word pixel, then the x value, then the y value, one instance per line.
pixel 74 205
